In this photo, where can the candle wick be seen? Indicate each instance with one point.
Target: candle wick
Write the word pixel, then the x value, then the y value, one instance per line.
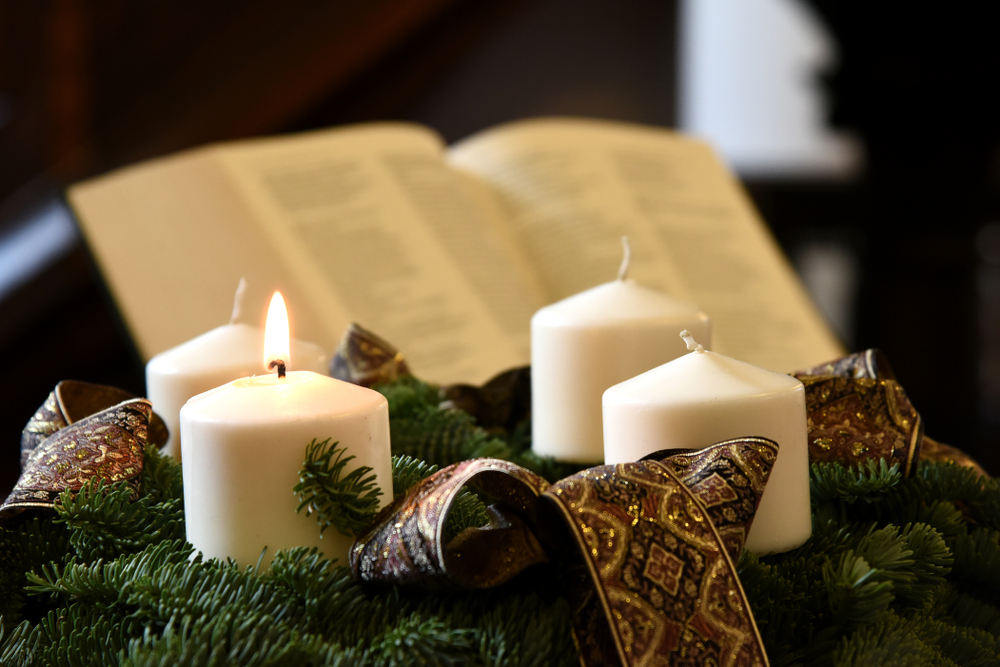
pixel 626 259
pixel 241 290
pixel 691 343
pixel 281 367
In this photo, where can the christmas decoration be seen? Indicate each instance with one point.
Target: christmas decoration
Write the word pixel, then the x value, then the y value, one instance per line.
pixel 901 569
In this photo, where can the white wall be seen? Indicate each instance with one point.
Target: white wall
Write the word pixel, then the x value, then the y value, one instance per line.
pixel 748 80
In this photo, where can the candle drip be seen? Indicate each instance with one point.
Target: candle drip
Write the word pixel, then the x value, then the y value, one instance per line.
pixel 626 259
pixel 691 343
pixel 241 290
pixel 280 365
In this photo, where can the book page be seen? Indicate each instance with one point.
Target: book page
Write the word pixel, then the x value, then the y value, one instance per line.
pixel 172 239
pixel 371 218
pixel 362 224
pixel 570 189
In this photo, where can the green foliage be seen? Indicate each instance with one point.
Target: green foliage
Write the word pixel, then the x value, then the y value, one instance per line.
pixel 346 502
pixel 407 471
pixel 897 572
pixel 418 641
pixel 907 577
pixel 105 521
pixel 423 429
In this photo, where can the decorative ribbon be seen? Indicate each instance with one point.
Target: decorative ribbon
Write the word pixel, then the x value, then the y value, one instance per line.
pixel 653 544
pixel 857 411
pixel 82 431
pixel 365 359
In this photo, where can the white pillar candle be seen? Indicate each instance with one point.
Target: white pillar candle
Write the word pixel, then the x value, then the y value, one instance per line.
pixel 225 353
pixel 703 398
pixel 244 444
pixel 582 345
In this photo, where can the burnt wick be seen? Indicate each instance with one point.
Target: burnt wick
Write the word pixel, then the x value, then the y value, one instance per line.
pixel 280 365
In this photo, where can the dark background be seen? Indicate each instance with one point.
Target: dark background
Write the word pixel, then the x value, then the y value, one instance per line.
pixel 89 86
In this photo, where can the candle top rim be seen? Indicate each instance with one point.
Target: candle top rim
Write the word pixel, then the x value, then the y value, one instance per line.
pixel 700 376
pixel 617 300
pixel 266 398
pixel 235 346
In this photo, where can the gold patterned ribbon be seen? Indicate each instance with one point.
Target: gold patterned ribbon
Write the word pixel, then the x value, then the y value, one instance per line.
pixel 653 544
pixel 82 431
pixel 857 411
pixel 366 359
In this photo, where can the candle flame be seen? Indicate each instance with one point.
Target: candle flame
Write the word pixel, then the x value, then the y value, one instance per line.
pixel 276 339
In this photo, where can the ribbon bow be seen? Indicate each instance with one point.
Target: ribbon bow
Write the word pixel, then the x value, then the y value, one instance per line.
pixel 653 544
pixel 82 431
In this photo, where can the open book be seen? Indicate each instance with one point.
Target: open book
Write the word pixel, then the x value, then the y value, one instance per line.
pixel 445 252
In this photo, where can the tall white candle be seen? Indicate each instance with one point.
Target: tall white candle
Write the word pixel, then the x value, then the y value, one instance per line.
pixel 703 398
pixel 584 344
pixel 244 444
pixel 225 353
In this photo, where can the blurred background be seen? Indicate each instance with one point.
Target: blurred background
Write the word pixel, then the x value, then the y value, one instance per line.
pixel 867 134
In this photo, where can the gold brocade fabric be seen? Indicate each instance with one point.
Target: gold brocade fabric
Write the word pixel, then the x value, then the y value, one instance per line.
pixel 857 411
pixel 72 401
pixel 852 420
pixel 80 433
pixel 366 359
pixel 652 545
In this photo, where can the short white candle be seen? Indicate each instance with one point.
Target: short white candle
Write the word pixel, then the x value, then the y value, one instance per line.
pixel 703 398
pixel 582 345
pixel 244 444
pixel 225 353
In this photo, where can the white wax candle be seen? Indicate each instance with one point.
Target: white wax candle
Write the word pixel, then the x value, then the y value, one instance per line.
pixel 703 398
pixel 243 446
pixel 584 344
pixel 225 353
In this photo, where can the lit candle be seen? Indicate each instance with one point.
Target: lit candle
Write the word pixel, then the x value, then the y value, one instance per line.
pixel 582 345
pixel 244 444
pixel 703 398
pixel 225 353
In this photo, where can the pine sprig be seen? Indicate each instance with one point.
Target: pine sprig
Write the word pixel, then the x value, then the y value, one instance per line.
pixel 424 428
pixel 898 571
pixel 105 584
pixel 870 480
pixel 162 479
pixel 107 521
pixel 421 641
pixel 80 636
pixel 346 502
pixel 407 471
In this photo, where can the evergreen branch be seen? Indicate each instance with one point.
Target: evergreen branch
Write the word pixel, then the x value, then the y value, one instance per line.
pixel 347 503
pixel 407 471
pixel 25 548
pixel 977 560
pixel 105 584
pixel 858 595
pixel 969 647
pixel 889 642
pixel 18 648
pixel 408 396
pixel 444 436
pixel 467 511
pixel 967 610
pixel 162 478
pixel 333 600
pixel 207 589
pixel 547 467
pixel 80 636
pixel 932 561
pixel 106 520
pixel 831 482
pixel 417 641
pixel 232 637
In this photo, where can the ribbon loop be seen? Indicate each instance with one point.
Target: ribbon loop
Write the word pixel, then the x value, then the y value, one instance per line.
pixel 653 545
